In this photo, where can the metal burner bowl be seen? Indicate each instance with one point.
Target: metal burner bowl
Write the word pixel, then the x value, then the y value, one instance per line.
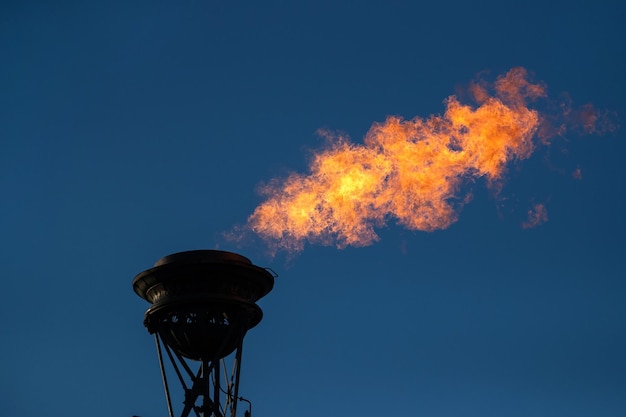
pixel 203 301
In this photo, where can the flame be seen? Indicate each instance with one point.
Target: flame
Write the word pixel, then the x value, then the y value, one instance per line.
pixel 408 170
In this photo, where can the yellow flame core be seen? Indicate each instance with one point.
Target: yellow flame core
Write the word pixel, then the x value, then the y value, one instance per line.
pixel 410 170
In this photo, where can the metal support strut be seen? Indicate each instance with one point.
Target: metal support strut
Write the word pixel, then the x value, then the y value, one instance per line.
pixel 204 383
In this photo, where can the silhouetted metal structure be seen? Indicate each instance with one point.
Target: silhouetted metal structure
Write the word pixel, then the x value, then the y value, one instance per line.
pixel 203 303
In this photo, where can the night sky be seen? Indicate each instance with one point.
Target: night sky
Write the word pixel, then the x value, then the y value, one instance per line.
pixel 132 130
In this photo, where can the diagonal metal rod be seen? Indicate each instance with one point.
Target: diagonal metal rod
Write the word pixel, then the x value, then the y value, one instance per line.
pixel 167 390
pixel 184 363
pixel 180 376
pixel 238 371
pixel 228 393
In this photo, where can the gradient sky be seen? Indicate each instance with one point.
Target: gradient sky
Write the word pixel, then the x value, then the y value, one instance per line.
pixel 132 130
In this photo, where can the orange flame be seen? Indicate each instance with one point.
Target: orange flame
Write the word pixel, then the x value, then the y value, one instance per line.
pixel 409 170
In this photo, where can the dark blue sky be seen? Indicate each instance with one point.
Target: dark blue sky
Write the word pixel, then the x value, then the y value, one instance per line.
pixel 131 130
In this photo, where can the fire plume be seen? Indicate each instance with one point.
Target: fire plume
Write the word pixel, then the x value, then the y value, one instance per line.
pixel 408 170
